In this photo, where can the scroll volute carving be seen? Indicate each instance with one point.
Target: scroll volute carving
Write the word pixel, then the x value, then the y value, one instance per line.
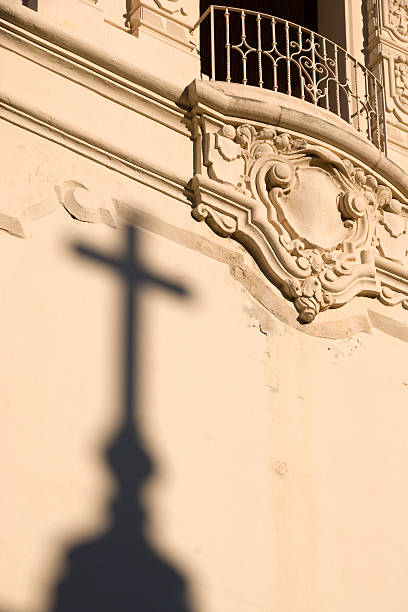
pixel 85 204
pixel 308 217
pixel 35 183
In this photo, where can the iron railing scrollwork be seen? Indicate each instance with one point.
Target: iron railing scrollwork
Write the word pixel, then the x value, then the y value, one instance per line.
pixel 244 46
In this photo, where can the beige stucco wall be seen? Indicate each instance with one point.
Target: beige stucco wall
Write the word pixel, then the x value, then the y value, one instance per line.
pixel 277 451
pixel 279 457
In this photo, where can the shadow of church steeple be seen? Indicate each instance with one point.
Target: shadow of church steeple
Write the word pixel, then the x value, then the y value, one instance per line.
pixel 119 571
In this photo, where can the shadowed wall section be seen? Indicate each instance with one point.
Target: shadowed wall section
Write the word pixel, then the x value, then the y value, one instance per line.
pixel 119 570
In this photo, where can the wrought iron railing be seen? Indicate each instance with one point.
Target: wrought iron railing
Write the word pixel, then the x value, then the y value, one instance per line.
pixel 244 46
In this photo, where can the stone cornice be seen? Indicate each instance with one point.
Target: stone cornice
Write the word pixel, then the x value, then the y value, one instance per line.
pixel 119 161
pixel 125 64
pixel 103 82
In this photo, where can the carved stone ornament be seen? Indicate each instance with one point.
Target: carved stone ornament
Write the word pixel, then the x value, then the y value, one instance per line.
pixel 398 18
pixel 387 24
pixel 316 224
pixel 85 205
pixel 401 82
pixel 36 185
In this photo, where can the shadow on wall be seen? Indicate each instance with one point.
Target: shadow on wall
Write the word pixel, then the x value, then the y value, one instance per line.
pixel 119 570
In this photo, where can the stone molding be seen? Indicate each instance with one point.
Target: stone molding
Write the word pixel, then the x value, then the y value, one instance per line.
pixel 44 183
pixel 122 65
pixel 84 16
pixel 102 153
pixel 321 227
pixel 117 79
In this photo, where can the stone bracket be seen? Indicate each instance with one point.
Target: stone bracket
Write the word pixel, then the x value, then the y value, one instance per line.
pixel 320 227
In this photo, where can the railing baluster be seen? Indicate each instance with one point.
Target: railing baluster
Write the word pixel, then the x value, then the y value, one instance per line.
pixel 327 78
pixel 259 50
pixel 301 77
pixel 318 61
pixel 377 114
pixel 228 45
pixel 384 123
pixel 287 36
pixel 368 107
pixel 244 57
pixel 312 44
pixel 275 67
pixel 348 114
pixel 336 74
pixel 212 44
pixel 357 98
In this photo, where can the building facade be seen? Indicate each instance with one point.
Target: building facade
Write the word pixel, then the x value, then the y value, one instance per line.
pixel 204 305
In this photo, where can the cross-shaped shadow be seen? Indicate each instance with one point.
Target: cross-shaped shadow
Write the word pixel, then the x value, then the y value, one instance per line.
pixel 119 571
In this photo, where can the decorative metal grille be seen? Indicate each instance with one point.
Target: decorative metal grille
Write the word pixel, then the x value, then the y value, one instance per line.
pixel 244 46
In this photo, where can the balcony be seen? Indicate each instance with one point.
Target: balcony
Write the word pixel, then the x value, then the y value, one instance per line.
pixel 291 161
pixel 256 49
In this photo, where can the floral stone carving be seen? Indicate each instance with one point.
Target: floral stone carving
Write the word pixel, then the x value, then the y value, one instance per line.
pixel 398 17
pixel 314 222
pixel 401 82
